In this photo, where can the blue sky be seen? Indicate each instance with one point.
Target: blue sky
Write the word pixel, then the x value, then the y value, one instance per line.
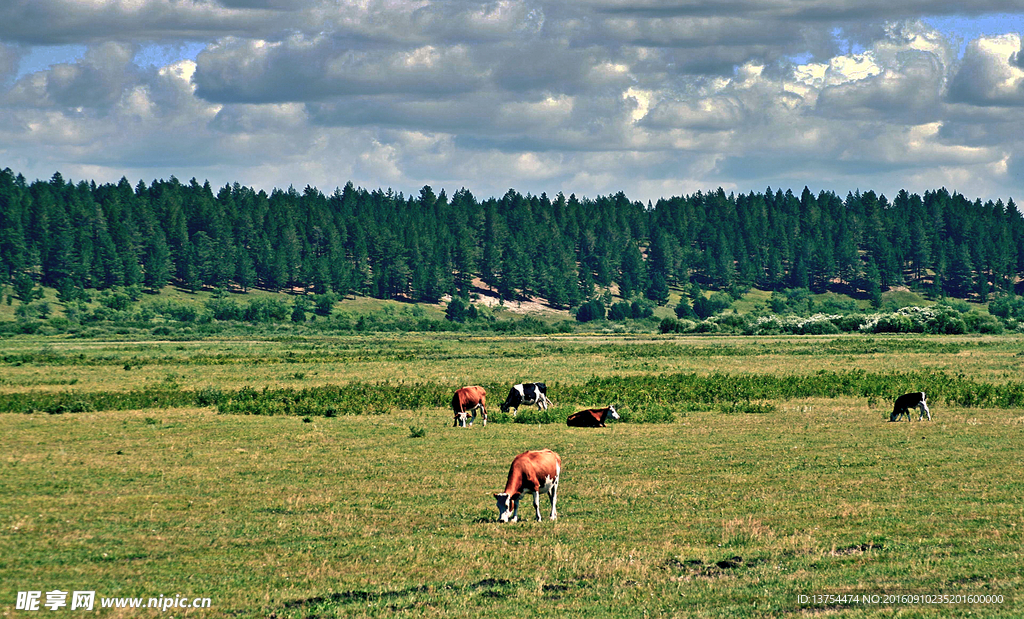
pixel 654 98
pixel 42 57
pixel 966 29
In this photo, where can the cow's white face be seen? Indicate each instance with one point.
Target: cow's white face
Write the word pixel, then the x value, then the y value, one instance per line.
pixel 611 413
pixel 506 508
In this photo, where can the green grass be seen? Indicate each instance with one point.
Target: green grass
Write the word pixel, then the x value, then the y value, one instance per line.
pixel 719 508
pixel 717 515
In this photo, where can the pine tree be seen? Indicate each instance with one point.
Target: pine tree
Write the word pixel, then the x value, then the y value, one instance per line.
pixel 959 279
pixel 633 278
pixel 156 262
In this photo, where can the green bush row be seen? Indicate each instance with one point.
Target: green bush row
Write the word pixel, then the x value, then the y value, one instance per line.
pixel 639 398
pixel 643 391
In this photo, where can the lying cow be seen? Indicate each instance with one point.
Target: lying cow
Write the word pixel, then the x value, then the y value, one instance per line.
pixel 592 417
pixel 907 401
pixel 467 400
pixel 526 394
pixel 533 472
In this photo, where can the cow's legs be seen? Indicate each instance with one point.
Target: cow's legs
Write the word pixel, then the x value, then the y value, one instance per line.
pixel 553 495
pixel 483 413
pixel 536 504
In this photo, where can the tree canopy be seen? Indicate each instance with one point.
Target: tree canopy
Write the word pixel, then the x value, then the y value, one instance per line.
pixel 384 244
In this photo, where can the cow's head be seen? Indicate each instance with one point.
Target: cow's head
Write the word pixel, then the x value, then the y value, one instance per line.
pixel 460 419
pixel 504 407
pixel 612 414
pixel 506 508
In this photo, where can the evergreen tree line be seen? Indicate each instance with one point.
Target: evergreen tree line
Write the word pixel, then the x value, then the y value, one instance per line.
pixel 76 236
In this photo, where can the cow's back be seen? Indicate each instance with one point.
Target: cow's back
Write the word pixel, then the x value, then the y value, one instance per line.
pixel 535 466
pixel 468 397
pixel 583 419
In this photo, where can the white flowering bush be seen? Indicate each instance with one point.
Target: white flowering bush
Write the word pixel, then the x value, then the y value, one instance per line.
pixel 916 319
pixel 939 319
pixel 818 324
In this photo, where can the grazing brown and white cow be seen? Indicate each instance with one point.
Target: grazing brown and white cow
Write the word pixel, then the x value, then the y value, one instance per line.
pixel 907 401
pixel 526 394
pixel 467 400
pixel 592 417
pixel 534 472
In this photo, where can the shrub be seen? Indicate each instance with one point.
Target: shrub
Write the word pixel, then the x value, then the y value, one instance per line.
pixel 224 309
pixel 555 414
pixel 671 325
pixel 763 325
pixel 990 326
pixel 850 322
pixel 591 310
pixel 265 310
pixel 733 321
pixel 706 307
pixel 641 308
pixel 819 324
pixel 683 309
pixel 176 311
pixel 324 303
pixel 946 323
pixel 706 326
pixel 620 311
pixel 209 396
pixel 117 301
pixel 298 313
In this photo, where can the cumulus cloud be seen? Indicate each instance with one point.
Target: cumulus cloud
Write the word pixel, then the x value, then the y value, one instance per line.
pixel 900 78
pixel 990 74
pixel 651 98
pixel 301 69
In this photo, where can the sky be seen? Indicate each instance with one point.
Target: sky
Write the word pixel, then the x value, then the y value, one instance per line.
pixel 654 98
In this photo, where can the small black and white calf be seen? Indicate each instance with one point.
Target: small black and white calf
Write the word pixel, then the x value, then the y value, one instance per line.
pixel 907 401
pixel 526 394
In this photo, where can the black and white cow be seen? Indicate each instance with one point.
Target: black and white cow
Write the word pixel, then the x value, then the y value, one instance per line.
pixel 907 401
pixel 526 394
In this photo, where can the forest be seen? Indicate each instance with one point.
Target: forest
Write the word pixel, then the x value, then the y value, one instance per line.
pixel 75 236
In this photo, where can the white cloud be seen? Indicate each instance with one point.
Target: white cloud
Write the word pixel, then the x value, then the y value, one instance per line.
pixel 988 75
pixel 590 97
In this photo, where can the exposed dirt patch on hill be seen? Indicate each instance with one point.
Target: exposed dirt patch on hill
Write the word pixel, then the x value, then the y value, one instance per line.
pixel 487 296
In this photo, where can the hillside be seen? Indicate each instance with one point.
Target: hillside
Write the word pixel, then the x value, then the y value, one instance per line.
pixel 177 314
pixel 547 255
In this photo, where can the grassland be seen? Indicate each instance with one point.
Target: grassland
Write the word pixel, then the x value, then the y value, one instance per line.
pixel 716 514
